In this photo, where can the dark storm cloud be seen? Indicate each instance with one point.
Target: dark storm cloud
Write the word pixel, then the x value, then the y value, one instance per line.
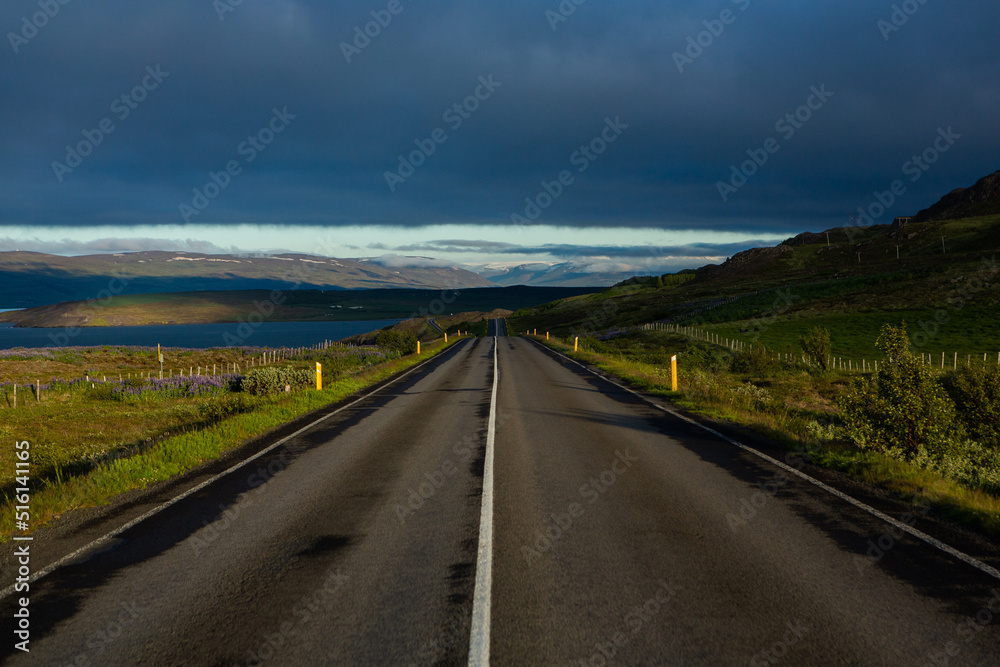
pixel 542 94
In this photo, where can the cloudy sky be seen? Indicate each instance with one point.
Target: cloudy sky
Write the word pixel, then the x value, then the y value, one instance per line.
pixel 634 133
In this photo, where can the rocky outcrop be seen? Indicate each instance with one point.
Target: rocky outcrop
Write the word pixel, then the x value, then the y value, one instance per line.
pixel 983 198
pixel 746 263
pixel 805 238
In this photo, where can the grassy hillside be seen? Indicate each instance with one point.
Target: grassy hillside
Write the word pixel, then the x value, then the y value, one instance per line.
pixel 944 284
pixel 103 423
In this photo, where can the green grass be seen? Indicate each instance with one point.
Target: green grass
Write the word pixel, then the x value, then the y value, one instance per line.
pixel 60 490
pixel 819 280
pixel 849 281
pixel 800 414
pixel 969 331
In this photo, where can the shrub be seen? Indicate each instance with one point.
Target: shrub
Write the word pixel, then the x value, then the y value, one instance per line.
pixel 402 342
pixel 755 361
pixel 972 464
pixel 100 391
pixel 902 410
pixel 227 405
pixel 816 346
pixel 264 381
pixel 704 356
pixel 976 392
pixel 708 387
pixel 752 397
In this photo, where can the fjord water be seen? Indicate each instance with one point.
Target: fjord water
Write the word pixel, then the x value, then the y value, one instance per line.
pixel 266 334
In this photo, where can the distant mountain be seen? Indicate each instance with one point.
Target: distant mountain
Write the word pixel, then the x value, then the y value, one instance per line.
pixel 300 305
pixel 30 279
pixel 567 274
pixel 983 198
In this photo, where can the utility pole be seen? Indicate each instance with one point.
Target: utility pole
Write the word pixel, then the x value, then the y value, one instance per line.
pixel 827 239
pixel 944 248
pixel 897 252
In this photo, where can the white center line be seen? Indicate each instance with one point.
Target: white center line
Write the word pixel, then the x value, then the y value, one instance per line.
pixel 479 642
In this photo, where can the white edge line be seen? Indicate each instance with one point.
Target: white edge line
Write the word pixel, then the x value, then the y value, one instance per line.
pixel 159 508
pixel 919 534
pixel 479 640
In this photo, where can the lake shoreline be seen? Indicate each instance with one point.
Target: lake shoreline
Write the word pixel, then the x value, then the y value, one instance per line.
pixel 190 336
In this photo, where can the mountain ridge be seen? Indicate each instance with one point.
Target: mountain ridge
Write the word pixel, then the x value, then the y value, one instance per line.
pixel 34 279
pixel 981 198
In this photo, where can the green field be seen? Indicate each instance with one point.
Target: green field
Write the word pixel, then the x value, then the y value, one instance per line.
pixel 794 405
pixel 950 300
pixel 91 440
pixel 970 332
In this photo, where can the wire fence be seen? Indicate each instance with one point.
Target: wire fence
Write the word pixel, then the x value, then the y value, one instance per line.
pixel 195 380
pixel 943 361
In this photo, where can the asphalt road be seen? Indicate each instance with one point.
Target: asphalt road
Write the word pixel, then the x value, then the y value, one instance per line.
pixel 620 535
pixel 497 328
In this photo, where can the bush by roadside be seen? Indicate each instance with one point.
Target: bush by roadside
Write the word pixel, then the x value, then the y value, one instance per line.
pixel 269 380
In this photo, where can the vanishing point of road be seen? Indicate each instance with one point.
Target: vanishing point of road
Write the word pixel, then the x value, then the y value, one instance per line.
pixel 502 504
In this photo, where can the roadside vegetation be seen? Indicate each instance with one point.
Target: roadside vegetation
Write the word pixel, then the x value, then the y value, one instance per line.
pixel 790 344
pixel 106 423
pixel 909 428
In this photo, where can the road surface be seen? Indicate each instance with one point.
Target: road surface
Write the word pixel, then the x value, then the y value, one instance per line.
pixel 619 534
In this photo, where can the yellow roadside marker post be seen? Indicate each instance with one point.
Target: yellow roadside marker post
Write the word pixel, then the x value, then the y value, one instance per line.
pixel 576 343
pixel 673 373
pixel 418 348
pixel 546 335
pixel 446 336
pixel 319 376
